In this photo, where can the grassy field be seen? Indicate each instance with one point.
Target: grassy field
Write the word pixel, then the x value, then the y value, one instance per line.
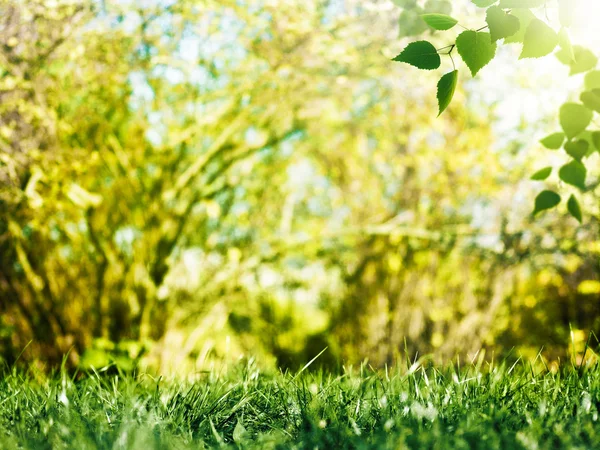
pixel 472 407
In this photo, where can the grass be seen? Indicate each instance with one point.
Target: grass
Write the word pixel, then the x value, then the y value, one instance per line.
pixel 418 407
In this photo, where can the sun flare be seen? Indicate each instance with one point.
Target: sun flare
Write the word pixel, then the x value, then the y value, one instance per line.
pixel 585 29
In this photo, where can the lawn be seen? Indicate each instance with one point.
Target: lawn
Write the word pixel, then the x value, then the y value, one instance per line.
pixel 478 406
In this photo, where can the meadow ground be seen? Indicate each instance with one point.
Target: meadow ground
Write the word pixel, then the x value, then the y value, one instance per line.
pixel 470 407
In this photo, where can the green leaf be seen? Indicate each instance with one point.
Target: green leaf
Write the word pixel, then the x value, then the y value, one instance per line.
pixel 585 60
pixel 581 60
pixel 525 17
pixel 567 48
pixel 546 200
pixel 573 173
pixel 446 87
pixel 509 4
pixel 410 22
pixel 553 141
pixel 476 49
pixel 577 149
pixel 574 118
pixel 542 174
pixel 439 21
pixel 539 40
pixel 238 432
pixel 588 136
pixel 484 3
pixel 592 80
pixel 574 208
pixel 421 54
pixel 591 99
pixel 500 23
pixel 596 139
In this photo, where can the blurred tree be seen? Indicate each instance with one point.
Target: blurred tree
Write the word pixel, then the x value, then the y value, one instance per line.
pixel 32 36
pixel 182 174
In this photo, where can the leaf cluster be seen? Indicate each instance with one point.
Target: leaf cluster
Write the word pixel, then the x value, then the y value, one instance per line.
pixel 524 23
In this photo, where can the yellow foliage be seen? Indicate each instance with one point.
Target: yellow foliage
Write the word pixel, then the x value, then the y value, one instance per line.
pixel 588 287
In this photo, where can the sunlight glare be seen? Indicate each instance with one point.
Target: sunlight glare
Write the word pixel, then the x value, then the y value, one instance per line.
pixel 585 25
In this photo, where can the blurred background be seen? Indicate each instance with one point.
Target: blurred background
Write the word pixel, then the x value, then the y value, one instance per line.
pixel 185 183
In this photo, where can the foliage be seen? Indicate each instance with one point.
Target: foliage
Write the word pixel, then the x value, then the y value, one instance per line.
pixel 141 165
pixel 183 185
pixel 411 407
pixel 516 22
